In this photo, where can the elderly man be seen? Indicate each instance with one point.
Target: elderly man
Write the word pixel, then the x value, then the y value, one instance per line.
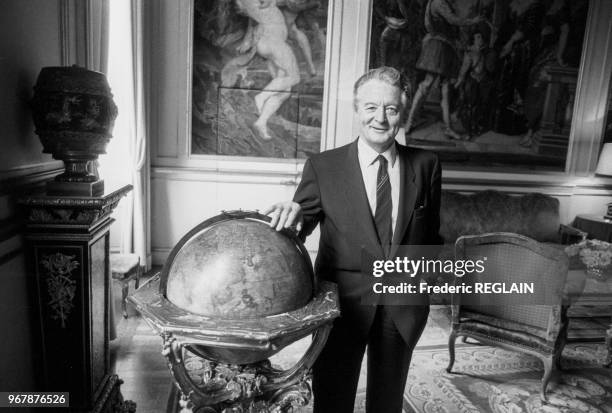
pixel 368 196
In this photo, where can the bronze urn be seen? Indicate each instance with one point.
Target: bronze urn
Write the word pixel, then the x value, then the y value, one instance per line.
pixel 232 293
pixel 74 115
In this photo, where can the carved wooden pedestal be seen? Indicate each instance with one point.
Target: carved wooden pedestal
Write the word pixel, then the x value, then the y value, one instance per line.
pixel 67 250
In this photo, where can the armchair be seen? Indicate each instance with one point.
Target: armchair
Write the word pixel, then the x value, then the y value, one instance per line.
pixel 539 329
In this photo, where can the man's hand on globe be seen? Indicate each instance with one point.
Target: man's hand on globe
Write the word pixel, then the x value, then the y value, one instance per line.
pixel 285 215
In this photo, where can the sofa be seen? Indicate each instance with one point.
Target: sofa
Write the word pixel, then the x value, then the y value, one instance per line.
pixel 532 215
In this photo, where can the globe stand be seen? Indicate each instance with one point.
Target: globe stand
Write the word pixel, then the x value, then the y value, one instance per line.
pixel 233 293
pixel 252 383
pixel 254 387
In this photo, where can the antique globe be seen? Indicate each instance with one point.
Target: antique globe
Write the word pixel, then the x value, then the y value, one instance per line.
pixel 233 293
pixel 238 288
pixel 236 269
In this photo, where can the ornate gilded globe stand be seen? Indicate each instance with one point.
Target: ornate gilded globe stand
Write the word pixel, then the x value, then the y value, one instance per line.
pixel 220 328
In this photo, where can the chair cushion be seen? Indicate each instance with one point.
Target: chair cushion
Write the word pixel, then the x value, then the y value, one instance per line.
pixel 509 337
pixel 124 263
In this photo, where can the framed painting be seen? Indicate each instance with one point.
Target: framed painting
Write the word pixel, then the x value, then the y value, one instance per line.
pixel 492 82
pixel 258 70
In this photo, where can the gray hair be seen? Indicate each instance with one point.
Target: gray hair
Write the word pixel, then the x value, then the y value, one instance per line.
pixel 386 74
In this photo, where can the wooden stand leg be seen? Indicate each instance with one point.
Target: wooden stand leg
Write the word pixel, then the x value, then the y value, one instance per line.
pixel 608 362
pixel 124 292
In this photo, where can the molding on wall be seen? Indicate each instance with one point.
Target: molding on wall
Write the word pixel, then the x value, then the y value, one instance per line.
pixel 11 179
pixel 552 184
pixel 10 248
pixel 4 258
pixel 160 255
pixel 331 90
pixel 236 176
pixel 9 228
pixel 592 89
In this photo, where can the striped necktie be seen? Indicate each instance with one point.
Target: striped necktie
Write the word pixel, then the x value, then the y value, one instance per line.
pixel 384 206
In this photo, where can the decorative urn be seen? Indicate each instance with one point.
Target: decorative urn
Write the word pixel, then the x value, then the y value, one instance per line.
pixel 233 293
pixel 74 114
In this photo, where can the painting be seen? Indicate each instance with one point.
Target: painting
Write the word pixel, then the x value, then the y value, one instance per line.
pixel 258 69
pixel 492 82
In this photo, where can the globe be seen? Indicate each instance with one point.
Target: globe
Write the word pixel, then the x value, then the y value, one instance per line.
pixel 236 292
pixel 235 266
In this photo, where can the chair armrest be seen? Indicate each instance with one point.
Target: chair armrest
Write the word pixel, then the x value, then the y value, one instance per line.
pixel 571 235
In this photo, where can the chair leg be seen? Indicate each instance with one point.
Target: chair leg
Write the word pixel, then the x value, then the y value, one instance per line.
pixel 548 369
pixel 451 351
pixel 608 362
pixel 557 359
pixel 137 282
pixel 124 292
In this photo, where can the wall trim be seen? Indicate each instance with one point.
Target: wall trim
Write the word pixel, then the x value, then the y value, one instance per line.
pixel 225 176
pixel 553 184
pixel 10 247
pixel 11 179
pixel 159 255
pixel 9 256
pixel 9 228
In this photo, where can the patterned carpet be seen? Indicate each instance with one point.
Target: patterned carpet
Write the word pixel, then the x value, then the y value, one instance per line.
pixel 490 379
pixel 485 379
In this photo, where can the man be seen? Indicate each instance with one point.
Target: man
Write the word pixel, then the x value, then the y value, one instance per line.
pixel 367 204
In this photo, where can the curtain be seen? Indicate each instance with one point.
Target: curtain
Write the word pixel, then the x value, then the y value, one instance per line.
pixel 97 14
pixel 127 161
pixel 139 155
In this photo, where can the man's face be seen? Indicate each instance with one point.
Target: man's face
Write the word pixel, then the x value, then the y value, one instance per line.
pixel 379 108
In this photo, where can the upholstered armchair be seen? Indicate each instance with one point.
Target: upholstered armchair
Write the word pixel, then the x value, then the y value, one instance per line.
pixel 534 324
pixel 533 215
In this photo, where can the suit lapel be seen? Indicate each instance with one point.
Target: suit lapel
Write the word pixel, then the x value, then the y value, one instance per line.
pixel 357 201
pixel 407 195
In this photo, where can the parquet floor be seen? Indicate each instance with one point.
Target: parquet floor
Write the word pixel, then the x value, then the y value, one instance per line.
pixel 136 357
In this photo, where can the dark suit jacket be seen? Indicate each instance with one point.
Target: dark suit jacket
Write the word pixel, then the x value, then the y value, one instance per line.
pixel 332 194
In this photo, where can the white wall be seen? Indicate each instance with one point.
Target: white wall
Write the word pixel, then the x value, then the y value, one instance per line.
pixel 187 189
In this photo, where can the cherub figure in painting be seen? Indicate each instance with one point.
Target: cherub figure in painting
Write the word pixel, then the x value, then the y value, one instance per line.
pixel 291 9
pixel 265 36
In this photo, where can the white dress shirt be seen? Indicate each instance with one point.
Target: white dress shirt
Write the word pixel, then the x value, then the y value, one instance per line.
pixel 369 171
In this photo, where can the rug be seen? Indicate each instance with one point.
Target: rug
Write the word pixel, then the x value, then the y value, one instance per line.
pixel 490 379
pixel 485 379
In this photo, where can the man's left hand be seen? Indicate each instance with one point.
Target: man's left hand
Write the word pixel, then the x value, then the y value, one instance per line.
pixel 285 214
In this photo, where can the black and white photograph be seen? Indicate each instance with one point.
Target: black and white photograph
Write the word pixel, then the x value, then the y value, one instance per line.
pixel 306 206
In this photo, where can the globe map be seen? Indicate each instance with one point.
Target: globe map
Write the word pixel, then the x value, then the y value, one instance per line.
pixel 239 268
